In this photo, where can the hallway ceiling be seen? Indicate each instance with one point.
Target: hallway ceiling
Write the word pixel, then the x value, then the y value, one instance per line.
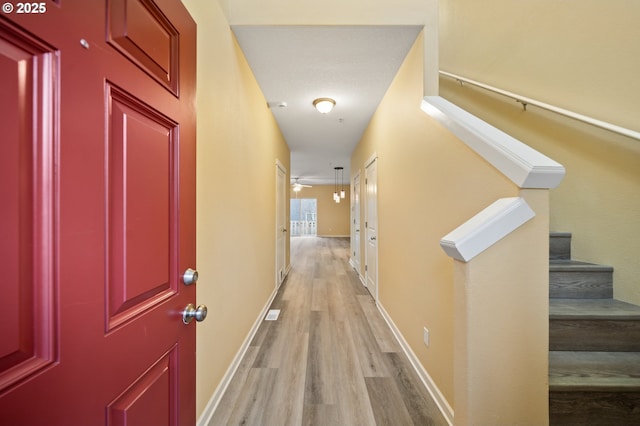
pixel 354 65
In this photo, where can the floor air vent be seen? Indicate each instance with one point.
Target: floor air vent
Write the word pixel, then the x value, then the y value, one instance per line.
pixel 272 315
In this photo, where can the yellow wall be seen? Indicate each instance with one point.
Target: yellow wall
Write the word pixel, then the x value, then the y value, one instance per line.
pixel 333 218
pixel 428 183
pixel 579 55
pixel 502 327
pixel 238 144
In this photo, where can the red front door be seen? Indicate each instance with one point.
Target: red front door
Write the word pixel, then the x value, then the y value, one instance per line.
pixel 97 213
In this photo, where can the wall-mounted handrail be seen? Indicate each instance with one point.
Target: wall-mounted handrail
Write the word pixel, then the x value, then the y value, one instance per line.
pixel 528 101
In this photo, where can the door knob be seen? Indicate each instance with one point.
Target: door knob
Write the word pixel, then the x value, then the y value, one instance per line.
pixel 191 312
pixel 190 276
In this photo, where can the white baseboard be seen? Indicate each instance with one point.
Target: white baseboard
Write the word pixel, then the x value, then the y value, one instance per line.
pixel 353 266
pixel 286 275
pixel 211 406
pixel 428 382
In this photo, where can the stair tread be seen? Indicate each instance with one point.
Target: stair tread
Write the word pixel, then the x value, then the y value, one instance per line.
pixel 556 265
pixel 592 308
pixel 594 371
pixel 560 234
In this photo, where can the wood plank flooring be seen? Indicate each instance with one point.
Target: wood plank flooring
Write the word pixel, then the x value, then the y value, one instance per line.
pixel 329 359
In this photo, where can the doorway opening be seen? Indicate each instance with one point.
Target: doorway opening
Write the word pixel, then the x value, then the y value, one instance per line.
pixel 304 217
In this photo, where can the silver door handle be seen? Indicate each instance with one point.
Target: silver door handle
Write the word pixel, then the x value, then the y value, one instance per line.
pixel 191 312
pixel 190 276
pixel 372 238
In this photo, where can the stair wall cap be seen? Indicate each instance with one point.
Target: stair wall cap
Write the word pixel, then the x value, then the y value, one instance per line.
pixel 486 228
pixel 525 166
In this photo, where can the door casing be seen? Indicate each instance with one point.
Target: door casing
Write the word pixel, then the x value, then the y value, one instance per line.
pixel 282 232
pixel 371 226
pixel 355 223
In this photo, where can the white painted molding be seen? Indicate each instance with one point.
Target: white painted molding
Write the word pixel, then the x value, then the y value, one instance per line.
pixel 486 228
pixel 362 280
pixel 525 166
pixel 211 406
pixel 371 159
pixel 426 379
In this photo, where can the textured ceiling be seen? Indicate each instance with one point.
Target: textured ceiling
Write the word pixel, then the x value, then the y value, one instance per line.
pixel 296 64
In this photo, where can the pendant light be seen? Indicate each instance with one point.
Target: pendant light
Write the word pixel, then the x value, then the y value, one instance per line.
pixel 336 187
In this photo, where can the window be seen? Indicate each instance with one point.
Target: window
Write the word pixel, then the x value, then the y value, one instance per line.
pixel 304 212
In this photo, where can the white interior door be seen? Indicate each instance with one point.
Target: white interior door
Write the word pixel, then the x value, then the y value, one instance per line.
pixel 371 227
pixel 355 224
pixel 281 222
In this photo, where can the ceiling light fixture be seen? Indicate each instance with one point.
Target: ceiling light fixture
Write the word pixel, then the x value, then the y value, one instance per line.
pixel 337 175
pixel 324 105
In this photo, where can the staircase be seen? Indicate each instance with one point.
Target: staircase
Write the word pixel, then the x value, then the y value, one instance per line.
pixel 594 344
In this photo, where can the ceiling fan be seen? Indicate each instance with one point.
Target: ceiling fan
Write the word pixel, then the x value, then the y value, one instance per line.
pixel 297 187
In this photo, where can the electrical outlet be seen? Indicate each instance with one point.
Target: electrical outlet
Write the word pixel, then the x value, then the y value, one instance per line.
pixel 426 336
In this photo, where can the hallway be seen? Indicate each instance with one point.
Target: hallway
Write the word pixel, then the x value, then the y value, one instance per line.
pixel 329 359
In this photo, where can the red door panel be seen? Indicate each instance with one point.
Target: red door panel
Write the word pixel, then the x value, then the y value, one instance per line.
pixel 140 31
pixel 142 205
pixel 27 321
pixel 97 225
pixel 150 400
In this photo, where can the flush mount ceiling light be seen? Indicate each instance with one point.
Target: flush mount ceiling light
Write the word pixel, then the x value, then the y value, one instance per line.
pixel 324 105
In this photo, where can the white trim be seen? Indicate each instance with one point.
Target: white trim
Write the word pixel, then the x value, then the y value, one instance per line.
pixel 427 381
pixel 486 228
pixel 370 160
pixel 362 279
pixel 525 166
pixel 356 194
pixel 367 216
pixel 211 406
pixel 281 168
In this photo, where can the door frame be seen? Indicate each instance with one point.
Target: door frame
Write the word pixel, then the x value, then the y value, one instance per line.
pixel 356 210
pixel 367 214
pixel 281 231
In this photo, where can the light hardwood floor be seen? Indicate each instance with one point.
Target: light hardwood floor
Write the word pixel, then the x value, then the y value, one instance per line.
pixel 329 359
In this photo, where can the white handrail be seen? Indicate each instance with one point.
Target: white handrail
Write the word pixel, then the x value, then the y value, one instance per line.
pixel 528 101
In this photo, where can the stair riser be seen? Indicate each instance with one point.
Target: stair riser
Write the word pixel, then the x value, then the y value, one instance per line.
pixel 560 246
pixel 594 408
pixel 594 335
pixel 581 284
